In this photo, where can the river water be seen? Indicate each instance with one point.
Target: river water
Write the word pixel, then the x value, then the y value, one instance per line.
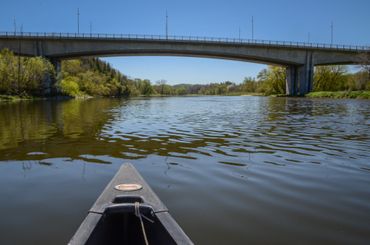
pixel 231 170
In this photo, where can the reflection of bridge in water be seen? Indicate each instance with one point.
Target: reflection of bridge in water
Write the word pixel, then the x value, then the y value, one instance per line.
pixel 298 58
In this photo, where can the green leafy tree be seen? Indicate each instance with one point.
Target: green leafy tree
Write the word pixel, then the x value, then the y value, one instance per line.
pixel 8 71
pixel 249 85
pixel 69 86
pixel 272 80
pixel 330 78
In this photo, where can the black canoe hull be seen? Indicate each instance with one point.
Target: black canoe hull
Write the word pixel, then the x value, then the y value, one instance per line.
pixel 112 218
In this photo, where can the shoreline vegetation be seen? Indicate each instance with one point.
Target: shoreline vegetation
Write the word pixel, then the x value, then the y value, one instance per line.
pixel 23 78
pixel 313 95
pixel 340 94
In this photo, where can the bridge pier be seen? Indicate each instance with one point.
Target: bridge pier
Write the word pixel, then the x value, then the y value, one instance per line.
pixel 299 79
pixel 50 84
pixel 306 76
pixel 291 80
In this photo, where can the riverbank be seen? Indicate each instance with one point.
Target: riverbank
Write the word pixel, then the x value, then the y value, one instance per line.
pixel 13 98
pixel 340 94
pixel 322 94
pixel 16 98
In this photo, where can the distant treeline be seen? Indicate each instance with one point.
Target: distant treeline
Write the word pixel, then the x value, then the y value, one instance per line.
pixel 92 76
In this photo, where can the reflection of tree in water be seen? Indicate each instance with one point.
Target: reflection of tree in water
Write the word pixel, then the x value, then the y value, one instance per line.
pixel 24 121
pixel 44 126
pixel 73 129
pixel 99 129
pixel 79 118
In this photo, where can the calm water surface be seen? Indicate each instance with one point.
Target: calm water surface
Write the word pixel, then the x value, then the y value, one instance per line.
pixel 232 170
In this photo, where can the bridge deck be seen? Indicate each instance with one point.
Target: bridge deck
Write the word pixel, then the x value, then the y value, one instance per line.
pixel 189 39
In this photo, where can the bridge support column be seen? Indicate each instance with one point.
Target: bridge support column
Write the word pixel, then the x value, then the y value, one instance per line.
pixel 291 80
pixel 299 79
pixel 306 76
pixel 51 82
pixel 305 79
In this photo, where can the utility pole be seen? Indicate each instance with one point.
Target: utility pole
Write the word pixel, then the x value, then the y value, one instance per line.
pixel 166 24
pixel 239 33
pixel 332 33
pixel 78 20
pixel 252 28
pixel 90 28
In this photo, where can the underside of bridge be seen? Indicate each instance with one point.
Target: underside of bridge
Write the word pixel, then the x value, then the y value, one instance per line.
pixel 299 78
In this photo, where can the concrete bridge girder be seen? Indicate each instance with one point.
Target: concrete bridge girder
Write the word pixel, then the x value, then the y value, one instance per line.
pixel 77 48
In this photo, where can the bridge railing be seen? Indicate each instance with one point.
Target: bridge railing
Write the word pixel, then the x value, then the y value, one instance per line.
pixel 184 38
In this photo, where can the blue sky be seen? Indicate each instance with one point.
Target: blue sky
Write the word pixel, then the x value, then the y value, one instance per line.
pixel 273 20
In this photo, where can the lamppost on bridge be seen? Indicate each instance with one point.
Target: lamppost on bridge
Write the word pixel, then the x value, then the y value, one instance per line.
pixel 15 26
pixel 166 24
pixel 252 28
pixel 332 33
pixel 78 20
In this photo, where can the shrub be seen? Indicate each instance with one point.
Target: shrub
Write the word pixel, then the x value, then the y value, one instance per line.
pixel 69 86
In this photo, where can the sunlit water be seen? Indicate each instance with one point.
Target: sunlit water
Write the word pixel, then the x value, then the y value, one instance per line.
pixel 232 170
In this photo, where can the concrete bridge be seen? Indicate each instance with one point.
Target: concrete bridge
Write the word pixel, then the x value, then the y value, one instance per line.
pixel 298 58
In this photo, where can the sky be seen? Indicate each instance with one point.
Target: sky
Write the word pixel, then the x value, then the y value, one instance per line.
pixel 285 20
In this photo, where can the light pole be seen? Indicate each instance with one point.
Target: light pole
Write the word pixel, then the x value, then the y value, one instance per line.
pixel 166 24
pixel 332 33
pixel 252 28
pixel 78 20
pixel 15 26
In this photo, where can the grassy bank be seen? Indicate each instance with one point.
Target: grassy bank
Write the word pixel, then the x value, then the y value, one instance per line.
pixel 243 94
pixel 340 95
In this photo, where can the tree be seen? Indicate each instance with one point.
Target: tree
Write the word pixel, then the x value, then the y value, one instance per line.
pixel 161 85
pixel 330 78
pixel 249 85
pixel 23 76
pixel 272 80
pixel 35 71
pixel 69 86
pixel 145 87
pixel 364 80
pixel 8 68
pixel 364 60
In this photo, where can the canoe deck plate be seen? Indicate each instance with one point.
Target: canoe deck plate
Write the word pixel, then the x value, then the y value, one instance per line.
pixel 128 187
